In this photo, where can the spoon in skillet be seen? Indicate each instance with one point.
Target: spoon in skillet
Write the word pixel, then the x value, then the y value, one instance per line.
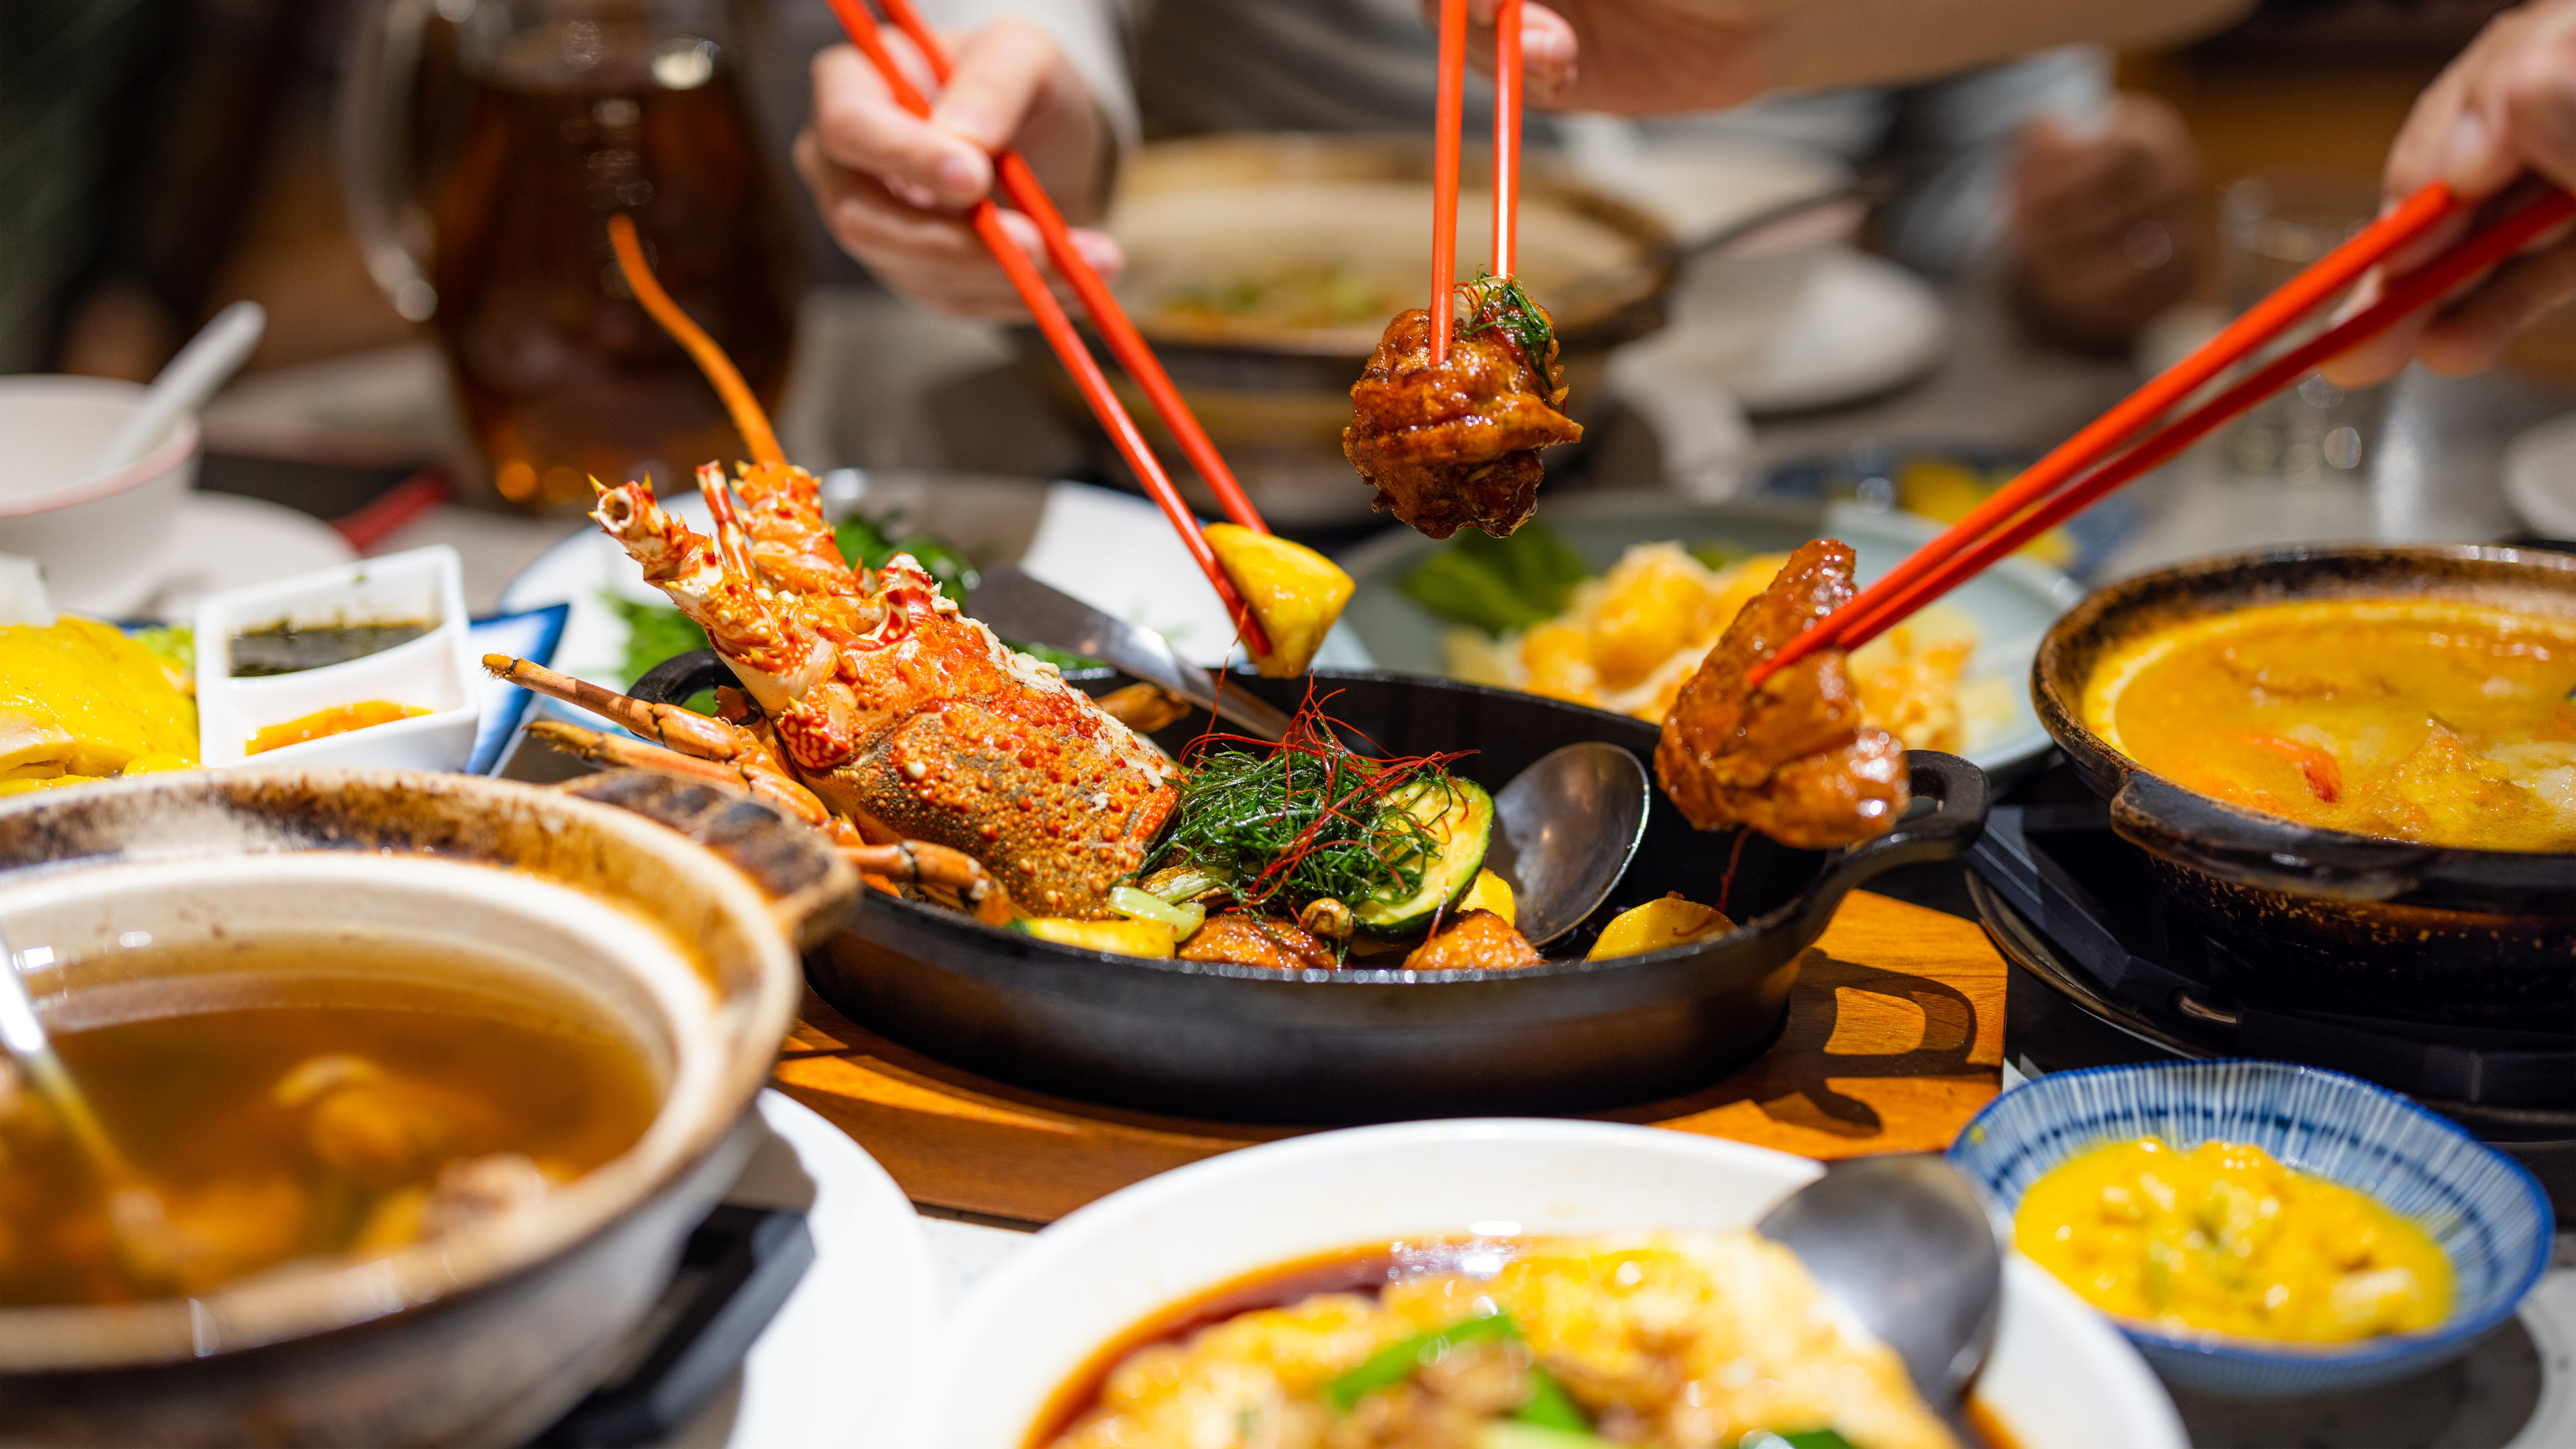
pixel 1904 1246
pixel 1565 829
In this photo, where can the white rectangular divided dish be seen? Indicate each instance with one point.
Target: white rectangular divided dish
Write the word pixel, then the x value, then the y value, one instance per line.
pixel 434 672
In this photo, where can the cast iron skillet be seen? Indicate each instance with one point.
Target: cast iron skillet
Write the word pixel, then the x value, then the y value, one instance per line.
pixel 1236 1042
pixel 2324 919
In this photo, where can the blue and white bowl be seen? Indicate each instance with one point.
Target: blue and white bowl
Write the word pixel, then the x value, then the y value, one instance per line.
pixel 2489 1215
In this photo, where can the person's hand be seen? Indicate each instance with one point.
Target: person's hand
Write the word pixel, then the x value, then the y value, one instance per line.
pixel 2102 227
pixel 893 189
pixel 2505 106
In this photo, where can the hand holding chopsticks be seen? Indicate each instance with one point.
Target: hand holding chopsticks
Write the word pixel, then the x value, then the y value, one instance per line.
pixel 2120 445
pixel 1125 343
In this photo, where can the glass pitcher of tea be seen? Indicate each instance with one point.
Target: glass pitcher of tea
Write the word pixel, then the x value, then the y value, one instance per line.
pixel 485 143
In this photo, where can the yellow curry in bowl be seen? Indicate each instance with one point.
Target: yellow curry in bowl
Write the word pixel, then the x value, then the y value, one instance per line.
pixel 2225 1239
pixel 2445 721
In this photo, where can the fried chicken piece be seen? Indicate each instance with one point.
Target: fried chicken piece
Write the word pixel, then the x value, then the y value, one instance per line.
pixel 1458 444
pixel 1793 759
pixel 1249 938
pixel 1481 940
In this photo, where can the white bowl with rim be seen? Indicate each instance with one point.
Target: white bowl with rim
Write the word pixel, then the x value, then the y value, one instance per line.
pixel 2061 1377
pixel 435 672
pixel 98 536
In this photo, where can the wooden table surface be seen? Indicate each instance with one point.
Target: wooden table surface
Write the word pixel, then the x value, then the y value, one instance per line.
pixel 1894 1040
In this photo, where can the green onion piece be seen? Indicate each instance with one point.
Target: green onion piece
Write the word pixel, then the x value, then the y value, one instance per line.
pixel 1180 884
pixel 1129 901
pixel 1514 1434
pixel 1551 1407
pixel 1803 1439
pixel 1396 1362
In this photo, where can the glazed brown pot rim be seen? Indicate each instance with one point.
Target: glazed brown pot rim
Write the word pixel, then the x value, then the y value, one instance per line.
pixel 2231 841
pixel 302 1304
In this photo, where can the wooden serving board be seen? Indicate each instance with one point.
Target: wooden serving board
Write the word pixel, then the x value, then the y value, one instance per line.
pixel 1894 1040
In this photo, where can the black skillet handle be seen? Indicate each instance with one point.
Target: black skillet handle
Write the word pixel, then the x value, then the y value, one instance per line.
pixel 681 676
pixel 1960 817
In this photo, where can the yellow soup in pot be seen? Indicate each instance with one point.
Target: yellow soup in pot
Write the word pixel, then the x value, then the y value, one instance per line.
pixel 2225 1239
pixel 2437 720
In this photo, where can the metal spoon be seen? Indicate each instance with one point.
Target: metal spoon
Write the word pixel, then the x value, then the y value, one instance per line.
pixel 1017 606
pixel 1904 1246
pixel 24 1035
pixel 1564 832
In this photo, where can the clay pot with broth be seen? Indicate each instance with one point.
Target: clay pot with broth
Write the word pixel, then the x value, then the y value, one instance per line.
pixel 430 1075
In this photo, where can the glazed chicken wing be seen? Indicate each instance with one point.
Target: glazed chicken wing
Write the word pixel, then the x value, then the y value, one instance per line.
pixel 1793 758
pixel 1457 445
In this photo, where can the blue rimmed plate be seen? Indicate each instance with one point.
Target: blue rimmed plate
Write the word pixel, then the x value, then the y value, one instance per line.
pixel 2490 1217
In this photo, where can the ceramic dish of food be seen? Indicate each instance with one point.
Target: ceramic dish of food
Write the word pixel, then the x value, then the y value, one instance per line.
pixel 2344 761
pixel 2489 1218
pixel 1016 1360
pixel 367 664
pixel 1999 615
pixel 1942 481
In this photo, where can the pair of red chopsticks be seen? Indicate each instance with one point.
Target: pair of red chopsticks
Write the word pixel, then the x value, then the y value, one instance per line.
pixel 2044 496
pixel 1444 158
pixel 1021 184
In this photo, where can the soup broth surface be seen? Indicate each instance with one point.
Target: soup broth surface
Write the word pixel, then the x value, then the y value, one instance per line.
pixel 271 1133
pixel 2443 721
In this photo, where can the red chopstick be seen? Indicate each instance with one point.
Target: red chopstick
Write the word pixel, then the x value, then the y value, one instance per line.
pixel 2415 290
pixel 1507 135
pixel 986 218
pixel 1446 126
pixel 1125 343
pixel 2242 338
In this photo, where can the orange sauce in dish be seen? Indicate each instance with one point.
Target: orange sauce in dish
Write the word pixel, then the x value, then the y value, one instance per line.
pixel 339 719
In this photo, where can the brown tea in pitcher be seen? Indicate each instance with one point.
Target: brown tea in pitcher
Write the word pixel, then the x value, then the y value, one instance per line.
pixel 561 373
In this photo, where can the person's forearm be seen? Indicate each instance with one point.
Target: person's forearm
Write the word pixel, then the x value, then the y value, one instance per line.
pixel 1714 52
pixel 1820 44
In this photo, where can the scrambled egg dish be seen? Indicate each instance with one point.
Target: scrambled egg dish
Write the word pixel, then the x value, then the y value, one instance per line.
pixel 1629 640
pixel 1672 1340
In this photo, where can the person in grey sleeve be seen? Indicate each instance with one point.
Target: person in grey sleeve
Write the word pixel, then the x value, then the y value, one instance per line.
pixel 2007 139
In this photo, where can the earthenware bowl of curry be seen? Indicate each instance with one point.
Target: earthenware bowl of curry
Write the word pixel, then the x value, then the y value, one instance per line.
pixel 421 1081
pixel 2353 766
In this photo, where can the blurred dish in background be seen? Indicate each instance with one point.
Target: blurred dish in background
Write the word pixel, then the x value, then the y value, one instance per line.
pixel 1809 327
pixel 2005 610
pixel 1941 482
pixel 1262 268
pixel 541 119
pixel 1628 638
pixel 2540 478
pixel 98 536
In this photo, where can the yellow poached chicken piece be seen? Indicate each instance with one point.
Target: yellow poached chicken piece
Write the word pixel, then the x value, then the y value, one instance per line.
pixel 1655 925
pixel 1294 591
pixel 78 700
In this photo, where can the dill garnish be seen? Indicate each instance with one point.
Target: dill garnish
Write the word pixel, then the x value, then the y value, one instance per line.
pixel 1303 820
pixel 1500 303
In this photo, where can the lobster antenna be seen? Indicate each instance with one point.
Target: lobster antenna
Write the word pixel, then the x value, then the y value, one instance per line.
pixel 747 416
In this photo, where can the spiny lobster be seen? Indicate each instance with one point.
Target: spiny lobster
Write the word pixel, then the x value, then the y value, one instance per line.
pixel 870 706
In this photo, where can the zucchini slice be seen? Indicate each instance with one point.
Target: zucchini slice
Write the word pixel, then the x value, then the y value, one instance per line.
pixel 1460 816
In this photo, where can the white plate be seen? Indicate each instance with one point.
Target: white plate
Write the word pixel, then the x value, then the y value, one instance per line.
pixel 2013 603
pixel 848 1346
pixel 2540 477
pixel 1799 329
pixel 2060 1377
pixel 1113 551
pixel 221 542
